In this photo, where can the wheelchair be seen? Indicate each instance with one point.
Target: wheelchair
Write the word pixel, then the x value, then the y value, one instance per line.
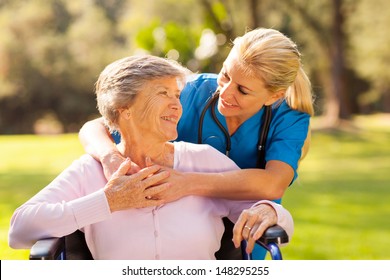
pixel 74 246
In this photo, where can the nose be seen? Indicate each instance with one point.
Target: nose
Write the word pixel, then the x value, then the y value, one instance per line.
pixel 226 90
pixel 175 104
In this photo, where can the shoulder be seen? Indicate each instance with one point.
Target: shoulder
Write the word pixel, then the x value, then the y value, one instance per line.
pixel 199 85
pixel 199 79
pixel 201 158
pixel 87 160
pixel 283 114
pixel 87 165
pixel 186 147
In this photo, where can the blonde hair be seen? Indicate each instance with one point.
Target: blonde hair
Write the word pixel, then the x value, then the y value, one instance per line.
pixel 120 81
pixel 274 58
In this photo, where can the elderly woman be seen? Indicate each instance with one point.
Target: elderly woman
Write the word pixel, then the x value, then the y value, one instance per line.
pixel 139 97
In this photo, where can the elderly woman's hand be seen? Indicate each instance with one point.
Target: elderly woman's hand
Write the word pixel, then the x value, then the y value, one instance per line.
pixel 136 190
pixel 252 223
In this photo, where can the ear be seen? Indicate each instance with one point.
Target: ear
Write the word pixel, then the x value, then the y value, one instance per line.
pixel 126 114
pixel 274 97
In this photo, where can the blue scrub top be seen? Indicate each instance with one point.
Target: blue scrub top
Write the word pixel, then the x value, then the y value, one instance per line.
pixel 286 136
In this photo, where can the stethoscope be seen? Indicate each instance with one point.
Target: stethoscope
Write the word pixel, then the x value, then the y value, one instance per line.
pixel 263 129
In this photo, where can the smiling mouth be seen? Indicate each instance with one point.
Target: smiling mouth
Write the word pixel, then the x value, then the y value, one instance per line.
pixel 227 104
pixel 170 119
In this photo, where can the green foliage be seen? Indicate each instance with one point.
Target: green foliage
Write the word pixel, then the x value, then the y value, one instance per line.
pixel 52 55
pixel 368 46
pixel 339 202
pixel 51 51
pixel 145 38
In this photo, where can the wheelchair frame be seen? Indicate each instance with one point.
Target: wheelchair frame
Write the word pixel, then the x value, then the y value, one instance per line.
pixel 74 247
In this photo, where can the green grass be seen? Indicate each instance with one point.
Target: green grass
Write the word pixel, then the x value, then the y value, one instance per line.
pixel 29 163
pixel 340 201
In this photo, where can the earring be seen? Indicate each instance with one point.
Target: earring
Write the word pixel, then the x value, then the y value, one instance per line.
pixel 128 114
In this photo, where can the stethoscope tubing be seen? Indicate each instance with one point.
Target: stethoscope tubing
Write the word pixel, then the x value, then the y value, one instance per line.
pixel 263 129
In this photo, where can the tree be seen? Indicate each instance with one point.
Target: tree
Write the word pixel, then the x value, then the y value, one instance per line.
pixel 50 61
pixel 53 50
pixel 369 52
pixel 324 33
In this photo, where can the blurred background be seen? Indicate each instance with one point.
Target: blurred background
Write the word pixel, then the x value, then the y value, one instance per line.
pixel 52 51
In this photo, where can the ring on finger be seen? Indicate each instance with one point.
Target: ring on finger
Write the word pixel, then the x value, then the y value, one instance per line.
pixel 248 228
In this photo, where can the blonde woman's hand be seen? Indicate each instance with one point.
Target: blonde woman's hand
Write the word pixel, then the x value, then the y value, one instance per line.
pixel 112 160
pixel 137 190
pixel 178 183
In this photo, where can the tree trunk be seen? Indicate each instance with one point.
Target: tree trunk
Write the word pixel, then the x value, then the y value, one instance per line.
pixel 333 78
pixel 254 21
pixel 338 64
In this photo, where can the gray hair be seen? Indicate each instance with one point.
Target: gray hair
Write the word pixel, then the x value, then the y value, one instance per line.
pixel 120 81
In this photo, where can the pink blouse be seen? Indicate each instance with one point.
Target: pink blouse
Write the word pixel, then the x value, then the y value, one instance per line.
pixel 189 228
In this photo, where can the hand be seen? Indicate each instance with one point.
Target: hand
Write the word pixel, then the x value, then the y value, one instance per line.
pixel 177 186
pixel 136 190
pixel 112 160
pixel 252 223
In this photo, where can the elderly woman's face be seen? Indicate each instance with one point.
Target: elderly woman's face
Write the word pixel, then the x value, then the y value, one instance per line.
pixel 157 108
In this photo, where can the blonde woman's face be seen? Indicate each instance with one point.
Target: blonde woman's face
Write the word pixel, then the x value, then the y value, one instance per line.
pixel 157 109
pixel 241 96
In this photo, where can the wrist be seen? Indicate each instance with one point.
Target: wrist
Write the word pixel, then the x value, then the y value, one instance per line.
pixel 196 184
pixel 109 153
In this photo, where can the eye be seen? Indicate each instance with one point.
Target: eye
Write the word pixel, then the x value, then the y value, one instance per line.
pixel 164 93
pixel 225 75
pixel 242 91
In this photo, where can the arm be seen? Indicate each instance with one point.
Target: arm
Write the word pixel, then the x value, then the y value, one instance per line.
pixel 253 184
pixel 269 183
pixel 96 139
pixel 80 196
pixel 57 210
pixel 98 143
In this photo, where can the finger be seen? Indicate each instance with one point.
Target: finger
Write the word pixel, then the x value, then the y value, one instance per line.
pixel 256 233
pixel 250 223
pixel 152 192
pixel 134 169
pixel 251 241
pixel 148 161
pixel 238 229
pixel 260 230
pixel 145 172
pixel 155 178
pixel 153 202
pixel 250 245
pixel 123 168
